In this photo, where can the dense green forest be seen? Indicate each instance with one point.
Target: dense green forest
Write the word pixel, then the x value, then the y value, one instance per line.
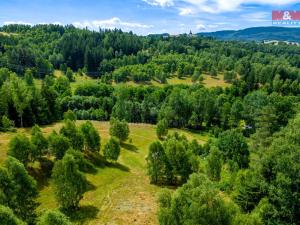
pixel 247 173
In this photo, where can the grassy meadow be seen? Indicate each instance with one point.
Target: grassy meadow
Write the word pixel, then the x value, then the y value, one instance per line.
pixel 120 193
pixel 208 81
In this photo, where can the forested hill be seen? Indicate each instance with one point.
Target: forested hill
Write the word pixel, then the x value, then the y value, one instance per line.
pixel 257 34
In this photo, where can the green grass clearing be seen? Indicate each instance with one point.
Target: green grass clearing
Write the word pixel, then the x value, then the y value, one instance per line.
pixel 218 81
pixel 122 193
pixel 208 81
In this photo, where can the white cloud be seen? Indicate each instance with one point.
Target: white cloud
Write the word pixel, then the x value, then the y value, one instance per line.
pixel 161 3
pixel 200 26
pixel 112 23
pixel 256 17
pixel 185 11
pixel 213 26
pixel 31 24
pixel 54 23
pixel 17 22
pixel 218 6
pixel 57 23
pixel 188 7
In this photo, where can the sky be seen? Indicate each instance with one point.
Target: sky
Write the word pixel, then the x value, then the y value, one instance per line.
pixel 146 16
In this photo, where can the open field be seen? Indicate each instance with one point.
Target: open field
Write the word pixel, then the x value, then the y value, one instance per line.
pixel 7 34
pixel 208 81
pixel 217 81
pixel 121 192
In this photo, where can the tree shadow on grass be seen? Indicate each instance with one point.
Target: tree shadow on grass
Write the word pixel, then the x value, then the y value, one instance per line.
pixel 90 186
pixel 129 147
pixel 83 214
pixel 99 161
pixel 117 166
pixel 41 172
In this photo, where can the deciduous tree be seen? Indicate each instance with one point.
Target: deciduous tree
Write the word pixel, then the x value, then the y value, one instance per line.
pixel 69 183
pixel 119 129
pixel 112 149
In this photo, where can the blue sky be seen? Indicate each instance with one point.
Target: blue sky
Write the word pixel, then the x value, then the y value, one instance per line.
pixel 146 16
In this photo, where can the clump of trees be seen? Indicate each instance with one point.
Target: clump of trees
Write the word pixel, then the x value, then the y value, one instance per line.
pixel 171 162
pixel 196 202
pixel 234 191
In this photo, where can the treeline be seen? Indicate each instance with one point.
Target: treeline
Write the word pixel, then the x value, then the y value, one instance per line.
pixel 193 107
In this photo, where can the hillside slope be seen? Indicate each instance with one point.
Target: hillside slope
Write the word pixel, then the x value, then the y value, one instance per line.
pixel 257 34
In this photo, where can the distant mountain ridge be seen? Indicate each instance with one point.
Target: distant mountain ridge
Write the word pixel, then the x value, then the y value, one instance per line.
pixel 257 34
